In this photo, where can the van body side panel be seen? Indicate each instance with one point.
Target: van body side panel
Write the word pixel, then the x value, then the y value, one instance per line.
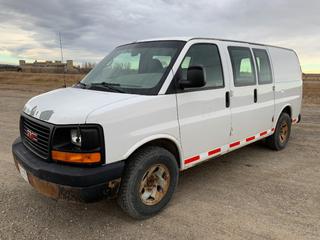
pixel 288 81
pixel 204 119
pixel 248 117
pixel 265 97
pixel 265 106
pixel 128 124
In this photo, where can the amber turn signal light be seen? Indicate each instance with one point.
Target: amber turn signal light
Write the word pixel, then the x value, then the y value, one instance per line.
pixel 76 157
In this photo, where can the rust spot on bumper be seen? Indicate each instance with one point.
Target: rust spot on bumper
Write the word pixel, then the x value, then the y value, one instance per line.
pixel 70 193
pixel 46 188
pixel 67 193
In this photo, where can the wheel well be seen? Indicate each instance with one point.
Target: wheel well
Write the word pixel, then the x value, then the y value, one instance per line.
pixel 287 110
pixel 166 144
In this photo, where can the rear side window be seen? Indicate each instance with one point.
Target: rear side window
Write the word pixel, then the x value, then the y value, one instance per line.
pixel 263 66
pixel 207 56
pixel 242 66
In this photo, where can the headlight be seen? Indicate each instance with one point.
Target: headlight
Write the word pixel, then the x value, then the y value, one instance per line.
pixel 76 137
pixel 78 144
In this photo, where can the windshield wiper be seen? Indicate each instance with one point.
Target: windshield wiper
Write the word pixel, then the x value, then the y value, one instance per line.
pixel 109 86
pixel 80 85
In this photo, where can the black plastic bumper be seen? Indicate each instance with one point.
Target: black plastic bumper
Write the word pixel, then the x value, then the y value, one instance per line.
pixel 299 118
pixel 64 181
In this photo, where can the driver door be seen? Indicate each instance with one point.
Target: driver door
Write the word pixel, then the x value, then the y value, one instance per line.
pixel 204 116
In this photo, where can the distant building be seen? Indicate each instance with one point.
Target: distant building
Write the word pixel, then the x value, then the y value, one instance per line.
pixel 48 67
pixel 10 68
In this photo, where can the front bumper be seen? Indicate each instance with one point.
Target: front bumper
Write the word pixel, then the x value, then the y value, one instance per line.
pixel 66 182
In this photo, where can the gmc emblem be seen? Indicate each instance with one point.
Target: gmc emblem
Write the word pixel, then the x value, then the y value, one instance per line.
pixel 32 135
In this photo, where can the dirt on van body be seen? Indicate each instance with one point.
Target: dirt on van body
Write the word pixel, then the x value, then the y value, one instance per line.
pixel 251 193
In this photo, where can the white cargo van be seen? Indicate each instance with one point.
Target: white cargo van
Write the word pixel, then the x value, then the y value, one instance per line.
pixel 151 109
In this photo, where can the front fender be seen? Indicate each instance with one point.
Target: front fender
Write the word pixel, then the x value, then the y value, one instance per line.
pixel 146 140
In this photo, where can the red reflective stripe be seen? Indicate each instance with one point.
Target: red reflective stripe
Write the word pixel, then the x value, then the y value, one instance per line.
pixel 263 133
pixel 234 144
pixel 250 138
pixel 218 150
pixel 192 159
pixel 214 151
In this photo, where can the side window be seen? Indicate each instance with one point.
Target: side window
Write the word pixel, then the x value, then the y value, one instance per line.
pixel 242 66
pixel 207 56
pixel 263 66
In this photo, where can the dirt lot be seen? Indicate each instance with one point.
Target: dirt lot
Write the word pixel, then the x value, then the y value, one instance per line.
pixel 252 193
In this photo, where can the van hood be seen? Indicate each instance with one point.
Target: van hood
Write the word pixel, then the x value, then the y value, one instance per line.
pixel 70 105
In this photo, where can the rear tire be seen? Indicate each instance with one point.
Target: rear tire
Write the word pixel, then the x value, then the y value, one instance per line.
pixel 280 138
pixel 149 181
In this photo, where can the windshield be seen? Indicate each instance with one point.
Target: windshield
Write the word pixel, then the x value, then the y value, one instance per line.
pixel 138 68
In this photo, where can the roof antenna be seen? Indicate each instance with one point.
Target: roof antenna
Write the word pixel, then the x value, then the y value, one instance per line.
pixel 64 68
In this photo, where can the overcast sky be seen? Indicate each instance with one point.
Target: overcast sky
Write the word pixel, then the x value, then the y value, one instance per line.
pixel 90 29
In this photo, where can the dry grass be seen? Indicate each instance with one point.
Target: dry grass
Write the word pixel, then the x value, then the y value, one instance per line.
pixel 311 77
pixel 30 81
pixel 40 82
pixel 311 88
pixel 311 92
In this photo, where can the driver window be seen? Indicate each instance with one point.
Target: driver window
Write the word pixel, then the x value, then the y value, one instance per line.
pixel 207 56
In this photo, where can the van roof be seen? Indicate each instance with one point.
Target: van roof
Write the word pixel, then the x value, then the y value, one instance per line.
pixel 186 39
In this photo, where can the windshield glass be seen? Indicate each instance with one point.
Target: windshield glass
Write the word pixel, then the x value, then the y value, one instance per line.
pixel 138 68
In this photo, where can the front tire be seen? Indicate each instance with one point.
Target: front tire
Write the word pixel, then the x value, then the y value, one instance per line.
pixel 149 181
pixel 280 138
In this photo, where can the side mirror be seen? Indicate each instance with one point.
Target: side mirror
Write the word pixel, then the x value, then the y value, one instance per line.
pixel 195 78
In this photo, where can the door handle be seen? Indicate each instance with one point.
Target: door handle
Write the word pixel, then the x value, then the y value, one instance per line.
pixel 255 95
pixel 227 99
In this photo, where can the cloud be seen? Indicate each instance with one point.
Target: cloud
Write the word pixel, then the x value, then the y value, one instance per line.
pixel 90 29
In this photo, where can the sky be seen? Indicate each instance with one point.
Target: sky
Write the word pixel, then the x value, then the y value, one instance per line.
pixel 90 29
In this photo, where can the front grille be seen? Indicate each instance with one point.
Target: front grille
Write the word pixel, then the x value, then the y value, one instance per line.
pixel 35 136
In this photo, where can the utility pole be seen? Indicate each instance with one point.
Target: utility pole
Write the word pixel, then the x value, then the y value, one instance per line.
pixel 64 69
pixel 61 47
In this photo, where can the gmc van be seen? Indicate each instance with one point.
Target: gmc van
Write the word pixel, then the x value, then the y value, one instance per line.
pixel 153 108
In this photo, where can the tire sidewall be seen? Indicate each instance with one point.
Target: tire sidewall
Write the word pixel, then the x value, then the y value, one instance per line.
pixel 283 118
pixel 160 157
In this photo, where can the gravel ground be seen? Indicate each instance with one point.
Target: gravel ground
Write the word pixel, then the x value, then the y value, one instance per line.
pixel 251 193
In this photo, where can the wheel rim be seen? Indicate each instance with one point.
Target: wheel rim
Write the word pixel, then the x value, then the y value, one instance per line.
pixel 154 184
pixel 283 133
